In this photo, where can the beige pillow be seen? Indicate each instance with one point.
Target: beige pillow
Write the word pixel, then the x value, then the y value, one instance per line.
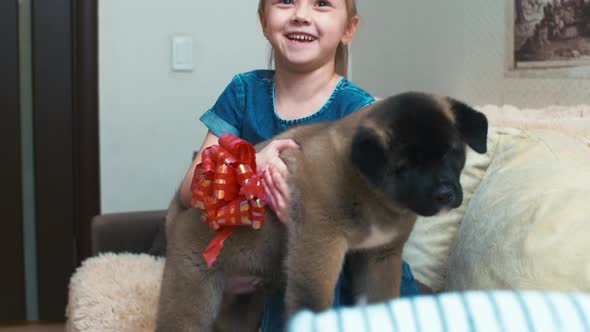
pixel 528 224
pixel 430 242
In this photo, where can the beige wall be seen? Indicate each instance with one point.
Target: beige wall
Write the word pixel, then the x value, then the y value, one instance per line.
pixel 149 124
pixel 380 58
pixel 448 47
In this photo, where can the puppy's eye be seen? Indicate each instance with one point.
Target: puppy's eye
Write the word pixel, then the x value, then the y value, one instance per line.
pixel 455 147
pixel 401 167
pixel 452 151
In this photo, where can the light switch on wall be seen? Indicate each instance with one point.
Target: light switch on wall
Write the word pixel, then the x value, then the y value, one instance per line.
pixel 182 53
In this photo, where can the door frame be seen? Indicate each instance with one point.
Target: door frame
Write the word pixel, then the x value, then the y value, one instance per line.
pixel 66 139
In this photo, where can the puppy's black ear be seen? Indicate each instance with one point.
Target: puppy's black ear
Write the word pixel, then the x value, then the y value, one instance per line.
pixel 472 125
pixel 368 154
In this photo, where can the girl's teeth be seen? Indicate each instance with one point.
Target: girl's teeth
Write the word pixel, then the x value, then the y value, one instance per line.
pixel 301 37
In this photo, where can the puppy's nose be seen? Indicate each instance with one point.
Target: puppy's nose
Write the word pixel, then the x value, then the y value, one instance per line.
pixel 444 194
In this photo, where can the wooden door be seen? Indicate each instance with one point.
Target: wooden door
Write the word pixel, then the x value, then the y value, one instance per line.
pixel 66 161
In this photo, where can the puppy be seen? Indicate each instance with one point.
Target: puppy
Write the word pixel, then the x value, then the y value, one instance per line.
pixel 356 186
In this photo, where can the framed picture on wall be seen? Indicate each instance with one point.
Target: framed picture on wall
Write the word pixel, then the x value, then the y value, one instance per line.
pixel 548 38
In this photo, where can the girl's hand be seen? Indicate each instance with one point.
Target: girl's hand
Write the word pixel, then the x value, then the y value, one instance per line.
pixel 275 174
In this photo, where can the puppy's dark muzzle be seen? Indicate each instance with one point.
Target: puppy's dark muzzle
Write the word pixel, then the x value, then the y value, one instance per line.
pixel 448 195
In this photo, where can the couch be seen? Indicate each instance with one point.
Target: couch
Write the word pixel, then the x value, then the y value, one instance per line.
pixel 524 225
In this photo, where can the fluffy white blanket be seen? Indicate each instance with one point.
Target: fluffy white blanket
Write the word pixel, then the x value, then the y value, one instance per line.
pixel 115 292
pixel 570 120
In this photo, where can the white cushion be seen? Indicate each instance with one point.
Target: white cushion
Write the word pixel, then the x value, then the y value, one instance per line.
pixel 528 224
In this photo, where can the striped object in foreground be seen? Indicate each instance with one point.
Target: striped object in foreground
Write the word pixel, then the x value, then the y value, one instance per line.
pixel 518 311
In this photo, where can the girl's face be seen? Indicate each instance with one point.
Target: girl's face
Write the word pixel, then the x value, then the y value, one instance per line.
pixel 304 34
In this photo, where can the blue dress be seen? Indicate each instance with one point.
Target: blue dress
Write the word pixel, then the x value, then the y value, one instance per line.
pixel 246 108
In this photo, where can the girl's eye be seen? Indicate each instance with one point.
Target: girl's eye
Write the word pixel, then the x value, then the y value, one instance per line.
pixel 286 2
pixel 322 3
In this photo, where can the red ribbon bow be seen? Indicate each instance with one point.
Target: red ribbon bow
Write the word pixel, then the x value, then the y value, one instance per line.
pixel 225 184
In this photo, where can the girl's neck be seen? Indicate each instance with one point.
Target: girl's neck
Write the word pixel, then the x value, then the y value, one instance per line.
pixel 303 86
pixel 298 95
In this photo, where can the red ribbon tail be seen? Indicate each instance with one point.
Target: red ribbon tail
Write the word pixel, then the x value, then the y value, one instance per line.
pixel 216 244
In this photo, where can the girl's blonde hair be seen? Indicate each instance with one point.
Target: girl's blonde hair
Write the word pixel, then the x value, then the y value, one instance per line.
pixel 341 64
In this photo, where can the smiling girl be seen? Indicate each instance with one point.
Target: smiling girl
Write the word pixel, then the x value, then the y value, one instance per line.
pixel 309 41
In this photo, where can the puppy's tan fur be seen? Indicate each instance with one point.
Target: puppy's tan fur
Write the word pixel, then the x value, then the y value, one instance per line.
pixel 334 212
